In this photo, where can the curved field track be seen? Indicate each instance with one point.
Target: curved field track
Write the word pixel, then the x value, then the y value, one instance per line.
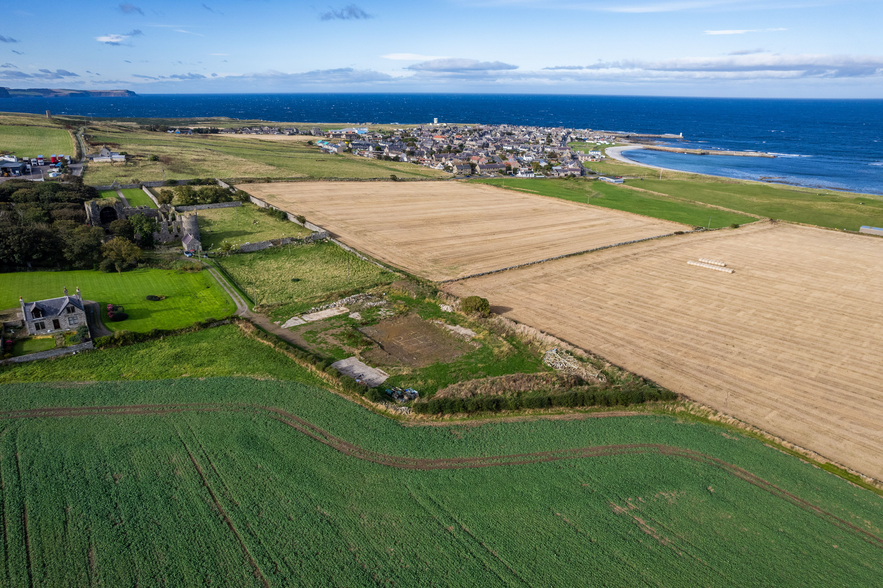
pixel 410 463
pixel 446 230
pixel 791 342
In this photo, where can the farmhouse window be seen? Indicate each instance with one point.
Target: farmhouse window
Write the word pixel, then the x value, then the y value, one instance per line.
pixel 40 326
pixel 71 320
pixel 70 310
pixel 36 313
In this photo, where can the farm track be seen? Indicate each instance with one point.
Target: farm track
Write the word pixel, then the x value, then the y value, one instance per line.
pixel 425 464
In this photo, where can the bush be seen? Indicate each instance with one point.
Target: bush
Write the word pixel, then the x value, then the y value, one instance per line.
pixel 153 298
pixel 81 335
pixel 301 218
pixel 476 304
pixel 118 316
pixel 734 226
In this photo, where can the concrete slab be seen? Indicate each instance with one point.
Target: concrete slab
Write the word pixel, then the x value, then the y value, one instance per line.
pixel 314 316
pixel 360 372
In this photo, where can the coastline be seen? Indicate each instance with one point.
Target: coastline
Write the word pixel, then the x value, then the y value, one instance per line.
pixel 616 154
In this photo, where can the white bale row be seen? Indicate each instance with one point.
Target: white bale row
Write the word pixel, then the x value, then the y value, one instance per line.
pixel 710 266
pixel 712 262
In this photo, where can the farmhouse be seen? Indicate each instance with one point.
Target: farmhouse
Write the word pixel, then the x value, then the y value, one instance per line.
pixel 105 155
pixel 53 315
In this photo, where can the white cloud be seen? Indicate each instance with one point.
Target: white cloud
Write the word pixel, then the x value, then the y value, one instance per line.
pixel 454 65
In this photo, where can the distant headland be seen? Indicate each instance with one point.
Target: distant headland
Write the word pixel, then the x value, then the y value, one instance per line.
pixel 62 93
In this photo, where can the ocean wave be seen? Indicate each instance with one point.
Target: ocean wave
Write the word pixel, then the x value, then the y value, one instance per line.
pixel 877 163
pixel 788 154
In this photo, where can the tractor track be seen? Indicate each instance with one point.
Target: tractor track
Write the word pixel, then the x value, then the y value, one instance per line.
pixel 425 464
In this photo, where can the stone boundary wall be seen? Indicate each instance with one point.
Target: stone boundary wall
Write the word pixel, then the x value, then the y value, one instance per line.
pixel 150 195
pixel 529 263
pixel 317 230
pixel 127 186
pixel 207 206
pixel 223 184
pixel 261 245
pixel 51 353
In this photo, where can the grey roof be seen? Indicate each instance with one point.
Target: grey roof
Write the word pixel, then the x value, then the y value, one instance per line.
pixel 53 306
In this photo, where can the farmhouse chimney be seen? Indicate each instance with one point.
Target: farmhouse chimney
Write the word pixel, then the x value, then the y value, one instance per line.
pixel 78 293
pixel 65 291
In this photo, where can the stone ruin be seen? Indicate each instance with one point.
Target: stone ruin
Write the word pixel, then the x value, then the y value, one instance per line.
pixel 173 226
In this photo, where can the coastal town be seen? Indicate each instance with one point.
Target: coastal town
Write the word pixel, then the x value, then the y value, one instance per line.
pixel 463 150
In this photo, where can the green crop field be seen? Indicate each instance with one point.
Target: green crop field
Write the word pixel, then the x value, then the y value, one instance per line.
pixel 137 197
pixel 292 280
pixel 243 482
pixel 243 224
pixel 190 297
pixel 612 196
pixel 31 141
pixel 827 209
pixel 219 156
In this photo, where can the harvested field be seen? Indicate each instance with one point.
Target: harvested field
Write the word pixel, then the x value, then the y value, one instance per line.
pixel 443 230
pixel 790 342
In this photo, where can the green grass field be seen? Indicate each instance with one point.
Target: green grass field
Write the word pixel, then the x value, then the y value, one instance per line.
pixel 190 297
pixel 218 156
pixel 137 197
pixel 222 351
pixel 225 488
pixel 31 141
pixel 834 210
pixel 33 345
pixel 243 224
pixel 292 280
pixel 612 196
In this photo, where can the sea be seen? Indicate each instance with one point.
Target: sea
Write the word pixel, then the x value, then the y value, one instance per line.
pixel 823 144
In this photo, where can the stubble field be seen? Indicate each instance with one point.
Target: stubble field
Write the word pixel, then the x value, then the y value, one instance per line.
pixel 790 342
pixel 444 230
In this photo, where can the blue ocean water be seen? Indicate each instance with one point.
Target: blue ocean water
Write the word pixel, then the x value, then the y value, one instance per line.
pixel 835 144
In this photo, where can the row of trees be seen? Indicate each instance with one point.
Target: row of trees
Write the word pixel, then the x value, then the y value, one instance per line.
pixel 189 195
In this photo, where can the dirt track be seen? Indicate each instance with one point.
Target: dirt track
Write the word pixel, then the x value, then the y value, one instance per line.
pixel 791 342
pixel 443 230
pixel 413 463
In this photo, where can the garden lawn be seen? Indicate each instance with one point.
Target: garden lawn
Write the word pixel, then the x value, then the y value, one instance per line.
pixel 287 281
pixel 243 224
pixel 33 345
pixel 31 141
pixel 606 195
pixel 137 197
pixel 190 297
pixel 221 351
pixel 825 209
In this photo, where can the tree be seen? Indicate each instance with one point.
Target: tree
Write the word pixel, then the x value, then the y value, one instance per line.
pixel 165 196
pixel 144 226
pixel 82 245
pixel 122 227
pixel 185 195
pixel 121 253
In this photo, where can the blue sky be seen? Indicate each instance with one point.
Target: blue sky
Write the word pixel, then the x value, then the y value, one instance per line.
pixel 739 48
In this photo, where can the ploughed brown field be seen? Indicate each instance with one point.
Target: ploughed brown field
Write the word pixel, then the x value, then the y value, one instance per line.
pixel 443 230
pixel 792 342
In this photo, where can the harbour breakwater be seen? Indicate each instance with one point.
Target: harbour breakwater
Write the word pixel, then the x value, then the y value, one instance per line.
pixel 708 151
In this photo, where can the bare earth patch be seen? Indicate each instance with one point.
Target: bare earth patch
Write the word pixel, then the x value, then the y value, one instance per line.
pixel 411 341
pixel 443 230
pixel 791 342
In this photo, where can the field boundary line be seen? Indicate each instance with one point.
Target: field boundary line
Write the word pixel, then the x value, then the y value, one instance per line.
pixel 565 255
pixel 688 201
pixel 448 463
